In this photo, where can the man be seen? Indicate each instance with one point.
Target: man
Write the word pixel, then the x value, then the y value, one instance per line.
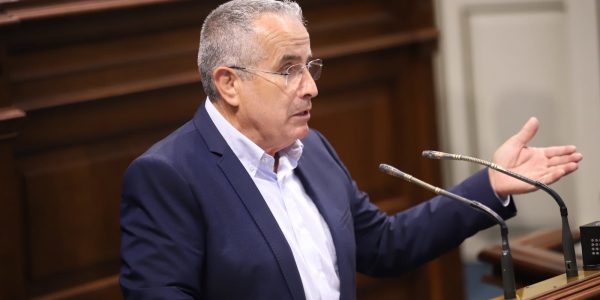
pixel 246 202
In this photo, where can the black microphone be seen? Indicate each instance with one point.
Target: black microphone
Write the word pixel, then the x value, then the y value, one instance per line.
pixel 508 275
pixel 567 238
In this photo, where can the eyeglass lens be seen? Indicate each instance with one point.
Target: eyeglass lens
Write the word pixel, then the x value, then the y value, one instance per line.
pixel 314 69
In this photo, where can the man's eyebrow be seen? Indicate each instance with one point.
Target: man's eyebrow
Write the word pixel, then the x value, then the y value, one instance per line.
pixel 289 58
pixel 292 58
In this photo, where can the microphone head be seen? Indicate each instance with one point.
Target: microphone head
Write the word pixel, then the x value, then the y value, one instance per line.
pixel 433 154
pixel 387 169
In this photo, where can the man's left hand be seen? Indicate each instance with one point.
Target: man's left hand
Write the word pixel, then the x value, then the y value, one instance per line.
pixel 545 165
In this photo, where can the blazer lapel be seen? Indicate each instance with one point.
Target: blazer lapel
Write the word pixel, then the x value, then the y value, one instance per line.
pixel 321 195
pixel 252 199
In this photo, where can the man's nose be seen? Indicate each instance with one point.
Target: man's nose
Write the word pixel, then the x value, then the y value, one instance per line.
pixel 309 86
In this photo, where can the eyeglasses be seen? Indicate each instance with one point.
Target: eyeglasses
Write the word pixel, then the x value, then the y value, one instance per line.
pixel 292 73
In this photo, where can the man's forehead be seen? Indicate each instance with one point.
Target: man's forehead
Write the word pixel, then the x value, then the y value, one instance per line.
pixel 272 27
pixel 284 38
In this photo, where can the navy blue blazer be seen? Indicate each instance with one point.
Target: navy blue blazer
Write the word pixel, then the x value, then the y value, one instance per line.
pixel 194 225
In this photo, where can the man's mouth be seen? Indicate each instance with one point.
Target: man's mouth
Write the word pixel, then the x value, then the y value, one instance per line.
pixel 303 113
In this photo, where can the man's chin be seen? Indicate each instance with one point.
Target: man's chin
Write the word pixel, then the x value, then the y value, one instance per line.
pixel 302 132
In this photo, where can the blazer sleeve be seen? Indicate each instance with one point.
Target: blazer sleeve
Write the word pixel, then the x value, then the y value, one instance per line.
pixel 390 245
pixel 161 235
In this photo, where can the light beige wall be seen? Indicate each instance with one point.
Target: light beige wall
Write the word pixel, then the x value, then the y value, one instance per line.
pixel 502 61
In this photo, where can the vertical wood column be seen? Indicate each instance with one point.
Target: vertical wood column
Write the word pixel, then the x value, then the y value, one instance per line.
pixel 12 275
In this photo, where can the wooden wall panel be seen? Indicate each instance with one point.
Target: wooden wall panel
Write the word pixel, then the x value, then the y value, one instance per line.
pixel 359 117
pixel 12 250
pixel 70 210
pixel 86 86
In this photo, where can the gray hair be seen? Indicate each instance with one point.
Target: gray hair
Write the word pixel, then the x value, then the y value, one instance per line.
pixel 227 36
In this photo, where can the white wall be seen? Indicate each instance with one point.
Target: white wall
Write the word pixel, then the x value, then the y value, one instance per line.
pixel 502 61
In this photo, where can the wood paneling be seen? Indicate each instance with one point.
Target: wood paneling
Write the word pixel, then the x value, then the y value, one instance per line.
pixel 86 86
pixel 12 250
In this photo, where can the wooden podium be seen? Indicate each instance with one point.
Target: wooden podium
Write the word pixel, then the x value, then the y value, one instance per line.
pixel 585 286
pixel 539 269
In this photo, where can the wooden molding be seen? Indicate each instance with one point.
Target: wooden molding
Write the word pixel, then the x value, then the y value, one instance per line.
pixel 10 117
pixel 376 43
pixel 98 289
pixel 18 12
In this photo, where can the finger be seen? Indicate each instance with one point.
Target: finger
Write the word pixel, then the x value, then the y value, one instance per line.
pixel 559 150
pixel 557 172
pixel 570 167
pixel 527 132
pixel 564 159
pixel 553 176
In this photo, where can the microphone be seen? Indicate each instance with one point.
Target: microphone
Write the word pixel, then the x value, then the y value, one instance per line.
pixel 508 275
pixel 567 238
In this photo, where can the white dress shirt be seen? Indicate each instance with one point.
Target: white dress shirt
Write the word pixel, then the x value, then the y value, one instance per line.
pixel 298 218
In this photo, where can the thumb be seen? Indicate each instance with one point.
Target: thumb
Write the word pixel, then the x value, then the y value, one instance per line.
pixel 526 134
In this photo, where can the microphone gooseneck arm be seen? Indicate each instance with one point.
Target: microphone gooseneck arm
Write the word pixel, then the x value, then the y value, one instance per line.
pixel 508 275
pixel 567 238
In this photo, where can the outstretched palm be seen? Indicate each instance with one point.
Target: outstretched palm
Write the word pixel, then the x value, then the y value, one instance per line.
pixel 546 165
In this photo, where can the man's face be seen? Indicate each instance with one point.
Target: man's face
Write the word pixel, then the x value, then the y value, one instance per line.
pixel 272 113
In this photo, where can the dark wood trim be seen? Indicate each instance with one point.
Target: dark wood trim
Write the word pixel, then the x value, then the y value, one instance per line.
pixel 12 247
pixel 96 289
pixel 376 43
pixel 10 118
pixel 24 11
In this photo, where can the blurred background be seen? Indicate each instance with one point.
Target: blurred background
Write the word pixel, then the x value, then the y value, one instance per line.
pixel 501 62
pixel 88 85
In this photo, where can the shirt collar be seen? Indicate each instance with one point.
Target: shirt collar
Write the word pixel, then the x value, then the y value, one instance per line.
pixel 251 155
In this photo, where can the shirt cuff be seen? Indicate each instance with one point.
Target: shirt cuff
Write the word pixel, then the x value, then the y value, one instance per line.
pixel 506 201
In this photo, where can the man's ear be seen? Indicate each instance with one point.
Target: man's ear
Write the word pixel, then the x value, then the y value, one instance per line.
pixel 225 80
